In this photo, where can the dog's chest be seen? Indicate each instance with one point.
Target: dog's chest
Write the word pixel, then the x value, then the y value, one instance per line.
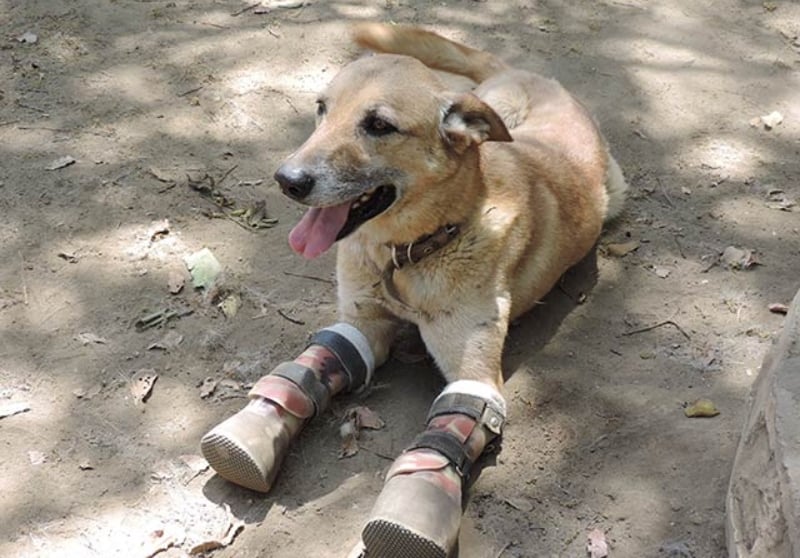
pixel 435 287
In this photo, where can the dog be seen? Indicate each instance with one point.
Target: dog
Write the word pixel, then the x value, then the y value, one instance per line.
pixel 455 211
pixel 518 166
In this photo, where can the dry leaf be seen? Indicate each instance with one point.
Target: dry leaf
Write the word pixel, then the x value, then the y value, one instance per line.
pixel 204 268
pixel 356 419
pixel 87 338
pixel 163 539
pixel 11 408
pixel 230 532
pixel 349 434
pixel 158 230
pixel 207 388
pixel 662 272
pixel 365 418
pixel 81 393
pixel 230 306
pixel 142 384
pixel 737 258
pixel 162 175
pixel 170 340
pixel 772 119
pixel 777 199
pixel 37 457
pixel 349 447
pixel 60 163
pixel 596 544
pixel 622 249
pixel 701 408
pixel 28 38
pixel 176 281
pixel 163 470
pixel 519 503
pixel 196 463
pixel 70 257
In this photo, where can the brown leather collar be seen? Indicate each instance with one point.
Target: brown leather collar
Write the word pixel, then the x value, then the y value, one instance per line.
pixel 411 253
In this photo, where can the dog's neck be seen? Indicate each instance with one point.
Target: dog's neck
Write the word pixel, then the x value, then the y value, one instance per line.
pixel 411 253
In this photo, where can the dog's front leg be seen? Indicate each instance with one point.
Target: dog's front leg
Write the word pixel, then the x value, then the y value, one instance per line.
pixel 249 447
pixel 418 513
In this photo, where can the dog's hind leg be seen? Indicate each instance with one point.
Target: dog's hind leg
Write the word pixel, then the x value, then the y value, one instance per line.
pixel 248 448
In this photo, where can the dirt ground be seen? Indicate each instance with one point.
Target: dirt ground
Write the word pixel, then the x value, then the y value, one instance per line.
pixel 169 109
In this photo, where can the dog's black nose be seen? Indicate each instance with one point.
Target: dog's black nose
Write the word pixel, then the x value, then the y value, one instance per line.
pixel 294 181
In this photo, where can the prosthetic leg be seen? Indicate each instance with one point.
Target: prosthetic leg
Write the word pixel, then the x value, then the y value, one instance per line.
pixel 249 447
pixel 418 513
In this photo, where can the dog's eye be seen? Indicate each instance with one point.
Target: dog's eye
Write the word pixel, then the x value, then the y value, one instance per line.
pixel 376 126
pixel 321 108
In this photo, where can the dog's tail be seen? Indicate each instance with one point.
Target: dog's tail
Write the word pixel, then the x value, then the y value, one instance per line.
pixel 616 186
pixel 429 48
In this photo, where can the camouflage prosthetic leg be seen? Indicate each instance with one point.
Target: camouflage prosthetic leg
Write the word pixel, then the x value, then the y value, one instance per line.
pixel 418 513
pixel 249 447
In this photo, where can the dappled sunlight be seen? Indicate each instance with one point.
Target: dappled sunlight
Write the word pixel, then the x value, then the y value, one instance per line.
pixel 739 158
pixel 138 84
pixel 595 435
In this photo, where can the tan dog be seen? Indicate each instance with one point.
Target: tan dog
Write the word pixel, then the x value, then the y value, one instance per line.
pixel 454 211
pixel 517 165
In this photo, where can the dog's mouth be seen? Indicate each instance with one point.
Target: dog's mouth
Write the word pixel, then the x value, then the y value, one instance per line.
pixel 321 227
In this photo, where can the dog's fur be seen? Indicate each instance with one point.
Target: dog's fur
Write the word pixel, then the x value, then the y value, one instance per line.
pixel 518 163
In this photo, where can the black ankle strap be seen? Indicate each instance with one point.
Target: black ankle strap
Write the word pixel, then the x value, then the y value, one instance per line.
pixel 448 445
pixel 307 381
pixel 472 406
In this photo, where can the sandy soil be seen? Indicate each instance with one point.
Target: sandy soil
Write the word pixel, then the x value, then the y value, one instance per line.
pixel 152 97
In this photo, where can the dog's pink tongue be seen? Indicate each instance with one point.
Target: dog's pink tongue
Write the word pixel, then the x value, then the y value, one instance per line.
pixel 317 230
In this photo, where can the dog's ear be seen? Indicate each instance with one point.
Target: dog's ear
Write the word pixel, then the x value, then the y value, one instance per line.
pixel 469 121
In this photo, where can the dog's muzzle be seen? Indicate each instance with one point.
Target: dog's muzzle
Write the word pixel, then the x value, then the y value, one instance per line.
pixel 295 182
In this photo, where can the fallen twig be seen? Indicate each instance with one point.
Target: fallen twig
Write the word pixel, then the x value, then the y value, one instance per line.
pixel 320 279
pixel 666 195
pixel 22 275
pixel 283 315
pixel 655 326
pixel 224 176
pixel 190 91
pixel 31 107
pixel 680 248
pixel 246 9
pixel 291 104
pixel 376 453
pixel 45 128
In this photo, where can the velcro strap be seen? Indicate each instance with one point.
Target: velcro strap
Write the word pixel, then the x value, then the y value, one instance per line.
pixel 349 357
pixel 285 394
pixel 307 381
pixel 470 405
pixel 446 444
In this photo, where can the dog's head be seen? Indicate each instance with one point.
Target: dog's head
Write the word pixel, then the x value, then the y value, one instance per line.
pixel 388 136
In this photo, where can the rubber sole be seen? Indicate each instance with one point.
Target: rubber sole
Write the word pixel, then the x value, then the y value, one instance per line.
pixel 413 517
pixel 233 462
pixel 247 449
pixel 386 539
